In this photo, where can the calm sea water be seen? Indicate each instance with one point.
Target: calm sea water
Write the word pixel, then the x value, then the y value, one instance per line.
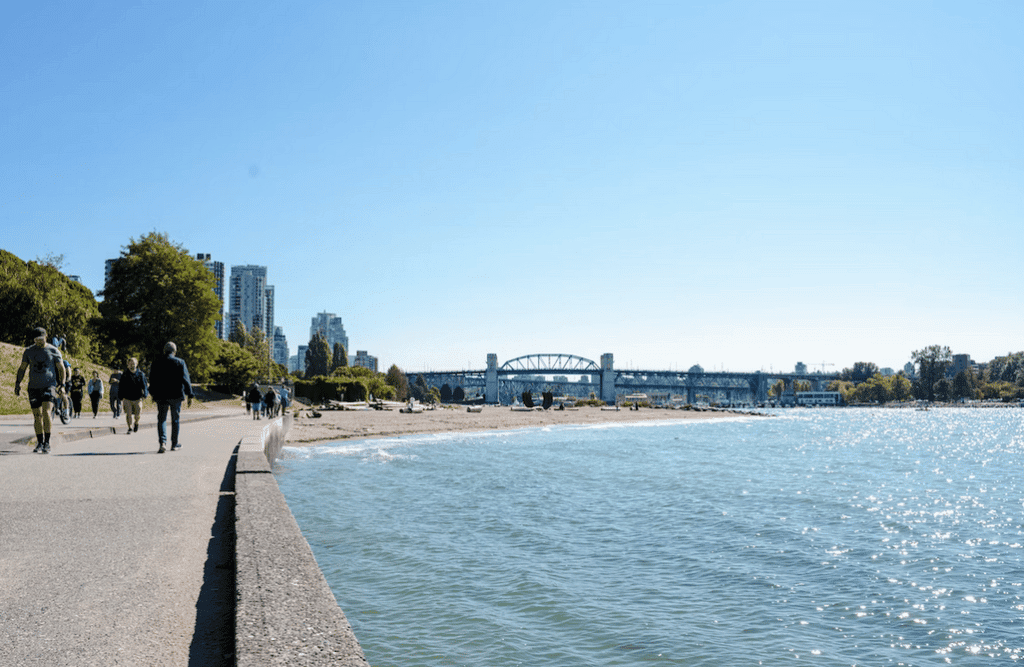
pixel 827 537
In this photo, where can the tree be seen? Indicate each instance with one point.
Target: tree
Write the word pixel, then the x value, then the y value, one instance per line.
pixel 861 371
pixel 419 390
pixel 963 385
pixel 397 379
pixel 157 292
pixel 900 388
pixel 446 393
pixel 235 368
pixel 459 395
pixel 932 363
pixel 318 356
pixel 339 359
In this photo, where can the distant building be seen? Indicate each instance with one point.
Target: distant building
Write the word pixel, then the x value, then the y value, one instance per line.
pixel 280 353
pixel 364 359
pixel 217 269
pixel 301 358
pixel 961 362
pixel 909 370
pixel 331 327
pixel 293 363
pixel 107 268
pixel 252 300
pixel 886 372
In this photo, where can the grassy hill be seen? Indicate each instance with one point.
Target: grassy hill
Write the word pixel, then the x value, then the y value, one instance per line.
pixel 10 359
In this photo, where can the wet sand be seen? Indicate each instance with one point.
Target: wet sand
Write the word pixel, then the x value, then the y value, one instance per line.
pixel 349 424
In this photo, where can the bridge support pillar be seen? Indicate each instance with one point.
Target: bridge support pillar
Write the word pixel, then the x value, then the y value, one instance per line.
pixel 608 378
pixel 491 380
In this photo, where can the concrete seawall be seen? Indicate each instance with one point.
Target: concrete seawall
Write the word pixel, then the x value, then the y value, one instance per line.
pixel 285 613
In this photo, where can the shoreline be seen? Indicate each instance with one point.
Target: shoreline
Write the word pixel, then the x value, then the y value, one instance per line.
pixel 332 425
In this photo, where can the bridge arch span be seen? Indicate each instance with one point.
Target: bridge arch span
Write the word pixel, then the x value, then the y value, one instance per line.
pixel 550 363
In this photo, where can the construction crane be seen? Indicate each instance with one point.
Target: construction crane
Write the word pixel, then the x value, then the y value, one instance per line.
pixel 823 364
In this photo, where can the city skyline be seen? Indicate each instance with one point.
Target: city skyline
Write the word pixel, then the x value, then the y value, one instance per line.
pixel 740 185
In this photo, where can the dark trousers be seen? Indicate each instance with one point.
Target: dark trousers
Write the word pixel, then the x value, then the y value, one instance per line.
pixel 161 418
pixel 95 398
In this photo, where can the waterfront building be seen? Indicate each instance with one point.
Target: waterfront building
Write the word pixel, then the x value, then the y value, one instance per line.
pixel 280 347
pixel 217 269
pixel 252 300
pixel 364 359
pixel 816 398
pixel 961 362
pixel 331 327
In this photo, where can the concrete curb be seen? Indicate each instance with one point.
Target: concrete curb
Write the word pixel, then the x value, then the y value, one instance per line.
pixel 285 613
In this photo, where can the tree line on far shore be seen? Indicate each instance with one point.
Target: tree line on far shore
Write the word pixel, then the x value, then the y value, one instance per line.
pixel 1001 379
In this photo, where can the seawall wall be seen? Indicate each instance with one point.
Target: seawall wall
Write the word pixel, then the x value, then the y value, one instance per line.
pixel 285 613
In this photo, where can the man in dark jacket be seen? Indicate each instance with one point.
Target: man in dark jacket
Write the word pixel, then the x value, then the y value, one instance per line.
pixel 133 392
pixel 169 384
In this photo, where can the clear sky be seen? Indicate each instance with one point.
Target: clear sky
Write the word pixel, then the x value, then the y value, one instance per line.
pixel 742 185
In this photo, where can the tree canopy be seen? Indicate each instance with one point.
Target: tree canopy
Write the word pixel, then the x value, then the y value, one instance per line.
pixel 157 293
pixel 34 294
pixel 318 356
pixel 931 363
pixel 397 379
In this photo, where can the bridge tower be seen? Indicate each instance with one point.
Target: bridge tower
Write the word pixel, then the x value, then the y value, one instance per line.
pixel 608 378
pixel 491 379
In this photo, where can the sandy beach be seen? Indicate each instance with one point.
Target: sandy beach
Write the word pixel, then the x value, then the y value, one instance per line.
pixel 349 424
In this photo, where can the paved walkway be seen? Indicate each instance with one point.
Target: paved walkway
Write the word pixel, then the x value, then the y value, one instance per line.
pixel 112 554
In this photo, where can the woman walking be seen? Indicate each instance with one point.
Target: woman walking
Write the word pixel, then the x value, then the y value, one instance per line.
pixel 77 385
pixel 95 392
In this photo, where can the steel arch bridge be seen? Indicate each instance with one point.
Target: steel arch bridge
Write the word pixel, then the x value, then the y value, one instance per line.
pixel 549 364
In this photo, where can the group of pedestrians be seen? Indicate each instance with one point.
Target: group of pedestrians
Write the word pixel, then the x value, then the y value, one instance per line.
pixel 48 380
pixel 268 404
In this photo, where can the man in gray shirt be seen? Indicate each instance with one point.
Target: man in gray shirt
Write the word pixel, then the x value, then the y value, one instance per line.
pixel 46 380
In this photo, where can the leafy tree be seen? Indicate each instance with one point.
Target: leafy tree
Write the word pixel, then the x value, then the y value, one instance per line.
pixel 339 359
pixel 931 363
pixel 459 395
pixel 861 371
pixel 235 368
pixel 318 356
pixel 240 335
pixel 419 389
pixel 446 393
pixel 36 294
pixel 944 389
pixel 900 388
pixel 397 379
pixel 157 292
pixel 964 385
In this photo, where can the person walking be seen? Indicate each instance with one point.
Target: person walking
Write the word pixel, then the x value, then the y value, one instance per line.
pixel 133 390
pixel 255 399
pixel 170 384
pixel 46 378
pixel 270 402
pixel 95 389
pixel 115 398
pixel 77 387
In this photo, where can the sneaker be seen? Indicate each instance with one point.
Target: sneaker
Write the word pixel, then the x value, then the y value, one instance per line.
pixel 46 448
pixel 38 449
pixel 161 450
pixel 129 432
pixel 175 446
pixel 136 429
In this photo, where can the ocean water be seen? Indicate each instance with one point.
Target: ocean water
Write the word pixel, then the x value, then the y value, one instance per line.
pixel 821 537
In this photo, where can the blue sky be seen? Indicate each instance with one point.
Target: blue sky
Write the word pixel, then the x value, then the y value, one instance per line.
pixel 742 185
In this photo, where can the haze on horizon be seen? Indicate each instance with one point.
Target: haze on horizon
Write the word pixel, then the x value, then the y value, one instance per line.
pixel 739 185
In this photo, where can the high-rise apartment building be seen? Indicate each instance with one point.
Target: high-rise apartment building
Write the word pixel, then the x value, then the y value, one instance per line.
pixel 332 328
pixel 217 269
pixel 366 360
pixel 252 300
pixel 280 347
